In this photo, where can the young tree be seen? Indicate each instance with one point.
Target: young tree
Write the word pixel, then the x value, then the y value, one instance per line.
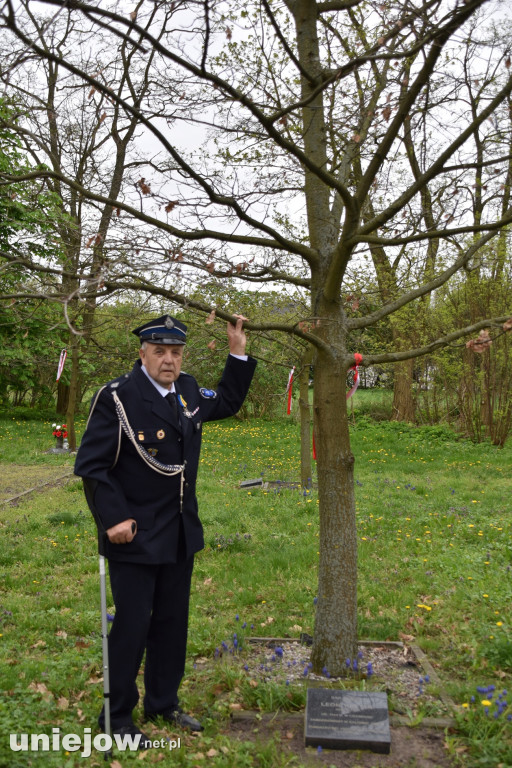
pixel 296 118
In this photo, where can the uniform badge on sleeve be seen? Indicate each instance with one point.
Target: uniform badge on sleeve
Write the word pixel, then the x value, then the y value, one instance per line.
pixel 208 394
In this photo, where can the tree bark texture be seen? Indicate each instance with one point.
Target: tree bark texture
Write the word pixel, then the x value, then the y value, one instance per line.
pixel 62 398
pixel 403 398
pixel 335 635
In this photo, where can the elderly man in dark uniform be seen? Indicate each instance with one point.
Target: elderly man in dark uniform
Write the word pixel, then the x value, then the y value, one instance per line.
pixel 139 458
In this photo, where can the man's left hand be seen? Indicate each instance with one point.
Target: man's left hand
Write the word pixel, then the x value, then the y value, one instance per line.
pixel 237 339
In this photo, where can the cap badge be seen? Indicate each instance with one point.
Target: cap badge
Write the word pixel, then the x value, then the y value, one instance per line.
pixel 169 323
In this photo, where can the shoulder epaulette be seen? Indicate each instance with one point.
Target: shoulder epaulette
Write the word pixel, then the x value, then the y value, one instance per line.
pixel 116 383
pixel 113 386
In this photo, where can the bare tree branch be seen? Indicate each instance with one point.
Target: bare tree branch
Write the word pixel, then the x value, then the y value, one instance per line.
pixel 444 341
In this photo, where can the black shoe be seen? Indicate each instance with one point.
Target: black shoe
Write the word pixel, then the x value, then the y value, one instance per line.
pixel 132 731
pixel 176 717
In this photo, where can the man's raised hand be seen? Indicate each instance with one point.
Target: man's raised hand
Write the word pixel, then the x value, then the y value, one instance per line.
pixel 237 339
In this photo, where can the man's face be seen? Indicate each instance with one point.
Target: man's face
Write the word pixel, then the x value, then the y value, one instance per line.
pixel 162 362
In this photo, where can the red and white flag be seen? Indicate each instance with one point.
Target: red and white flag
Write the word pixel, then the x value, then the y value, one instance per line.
pixel 289 389
pixel 62 360
pixel 358 358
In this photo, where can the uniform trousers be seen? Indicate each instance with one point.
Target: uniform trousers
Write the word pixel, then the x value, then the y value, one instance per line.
pixel 151 614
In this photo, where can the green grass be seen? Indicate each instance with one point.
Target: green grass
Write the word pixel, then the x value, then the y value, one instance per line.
pixel 435 564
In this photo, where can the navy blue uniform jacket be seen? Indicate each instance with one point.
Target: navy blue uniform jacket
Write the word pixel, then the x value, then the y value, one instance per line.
pixel 120 485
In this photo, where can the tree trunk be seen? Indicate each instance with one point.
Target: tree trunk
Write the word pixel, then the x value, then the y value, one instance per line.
pixel 335 635
pixel 403 398
pixel 62 398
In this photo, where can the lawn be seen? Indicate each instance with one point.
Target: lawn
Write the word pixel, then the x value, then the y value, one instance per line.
pixel 435 569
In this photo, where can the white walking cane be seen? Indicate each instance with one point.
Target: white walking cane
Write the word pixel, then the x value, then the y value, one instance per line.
pixel 102 538
pixel 104 641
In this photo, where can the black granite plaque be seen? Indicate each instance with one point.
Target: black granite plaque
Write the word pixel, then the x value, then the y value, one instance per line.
pixel 337 719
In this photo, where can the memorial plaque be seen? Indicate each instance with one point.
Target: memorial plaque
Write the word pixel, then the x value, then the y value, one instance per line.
pixel 337 719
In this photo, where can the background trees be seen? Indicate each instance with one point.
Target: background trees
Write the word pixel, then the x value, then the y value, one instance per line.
pixel 80 133
pixel 28 212
pixel 291 144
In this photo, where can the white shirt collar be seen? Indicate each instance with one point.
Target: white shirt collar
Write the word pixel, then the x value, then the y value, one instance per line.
pixel 163 391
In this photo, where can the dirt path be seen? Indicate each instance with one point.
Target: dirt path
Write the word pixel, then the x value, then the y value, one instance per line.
pixel 19 479
pixel 410 747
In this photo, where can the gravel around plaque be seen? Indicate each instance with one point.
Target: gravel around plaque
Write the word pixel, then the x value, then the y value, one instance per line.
pixel 402 671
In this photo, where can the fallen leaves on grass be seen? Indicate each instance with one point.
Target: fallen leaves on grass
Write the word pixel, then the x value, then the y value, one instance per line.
pixel 42 689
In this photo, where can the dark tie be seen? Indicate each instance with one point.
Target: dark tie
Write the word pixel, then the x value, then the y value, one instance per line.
pixel 171 399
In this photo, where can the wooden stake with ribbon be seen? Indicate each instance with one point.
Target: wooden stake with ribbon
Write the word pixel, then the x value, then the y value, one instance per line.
pixel 62 360
pixel 358 360
pixel 289 389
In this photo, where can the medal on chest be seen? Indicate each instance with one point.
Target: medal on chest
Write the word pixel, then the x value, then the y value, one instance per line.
pixel 186 411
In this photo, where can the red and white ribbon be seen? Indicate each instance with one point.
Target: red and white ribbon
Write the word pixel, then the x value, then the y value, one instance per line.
pixel 289 389
pixel 358 360
pixel 62 360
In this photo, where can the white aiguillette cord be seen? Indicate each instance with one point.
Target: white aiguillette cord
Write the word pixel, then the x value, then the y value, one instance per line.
pixel 164 469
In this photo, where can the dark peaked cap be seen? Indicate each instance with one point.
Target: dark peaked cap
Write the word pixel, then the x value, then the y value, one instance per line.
pixel 162 330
